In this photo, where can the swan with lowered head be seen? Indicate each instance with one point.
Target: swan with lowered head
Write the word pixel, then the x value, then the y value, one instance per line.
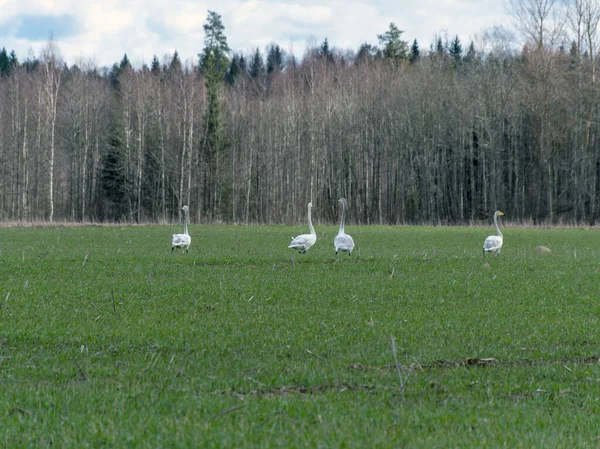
pixel 182 240
pixel 493 244
pixel 303 242
pixel 343 242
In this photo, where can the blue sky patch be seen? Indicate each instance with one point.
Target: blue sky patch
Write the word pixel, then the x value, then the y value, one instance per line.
pixel 8 28
pixel 39 27
pixel 157 26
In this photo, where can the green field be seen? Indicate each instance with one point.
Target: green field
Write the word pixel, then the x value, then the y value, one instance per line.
pixel 107 339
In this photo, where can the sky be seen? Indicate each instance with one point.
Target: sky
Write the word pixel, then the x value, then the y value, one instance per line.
pixel 103 31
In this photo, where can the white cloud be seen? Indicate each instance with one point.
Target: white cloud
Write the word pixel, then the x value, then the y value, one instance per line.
pixel 111 28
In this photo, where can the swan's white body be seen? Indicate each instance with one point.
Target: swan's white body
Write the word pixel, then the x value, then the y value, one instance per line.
pixel 493 244
pixel 342 241
pixel 303 242
pixel 182 240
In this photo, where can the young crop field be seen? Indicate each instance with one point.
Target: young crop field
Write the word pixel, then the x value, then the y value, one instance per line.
pixel 109 339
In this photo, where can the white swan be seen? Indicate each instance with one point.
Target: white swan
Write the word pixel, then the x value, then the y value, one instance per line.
pixel 303 242
pixel 182 240
pixel 343 242
pixel 494 242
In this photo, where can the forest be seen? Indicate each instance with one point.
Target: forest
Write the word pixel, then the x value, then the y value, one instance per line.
pixel 443 135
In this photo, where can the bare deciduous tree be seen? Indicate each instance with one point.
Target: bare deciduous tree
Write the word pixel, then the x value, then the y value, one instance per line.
pixel 51 60
pixel 541 22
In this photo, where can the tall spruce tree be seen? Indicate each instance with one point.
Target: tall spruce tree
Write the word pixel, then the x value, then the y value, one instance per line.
pixel 471 54
pixel 257 67
pixel 213 67
pixel 175 64
pixel 573 54
pixel 117 69
pixel 415 53
pixel 13 61
pixel 243 65
pixel 4 63
pixel 234 69
pixel 455 50
pixel 325 52
pixel 125 64
pixel 8 62
pixel 113 76
pixel 274 58
pixel 440 48
pixel 155 66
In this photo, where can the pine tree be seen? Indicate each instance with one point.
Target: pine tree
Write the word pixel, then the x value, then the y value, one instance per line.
pixel 4 63
pixel 234 69
pixel 274 58
pixel 573 54
pixel 175 65
pixel 125 64
pixel 8 63
pixel 325 52
pixel 31 64
pixel 456 50
pixel 113 76
pixel 117 69
pixel 415 53
pixel 243 65
pixel 213 59
pixel 256 65
pixel 440 50
pixel 394 48
pixel 13 61
pixel 471 54
pixel 155 66
pixel 365 52
pixel 113 183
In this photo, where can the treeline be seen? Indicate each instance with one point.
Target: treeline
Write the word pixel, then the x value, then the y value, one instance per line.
pixel 407 136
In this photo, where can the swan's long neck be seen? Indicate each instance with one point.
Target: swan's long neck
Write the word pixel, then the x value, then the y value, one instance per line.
pixel 343 217
pixel 310 226
pixel 498 233
pixel 185 221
